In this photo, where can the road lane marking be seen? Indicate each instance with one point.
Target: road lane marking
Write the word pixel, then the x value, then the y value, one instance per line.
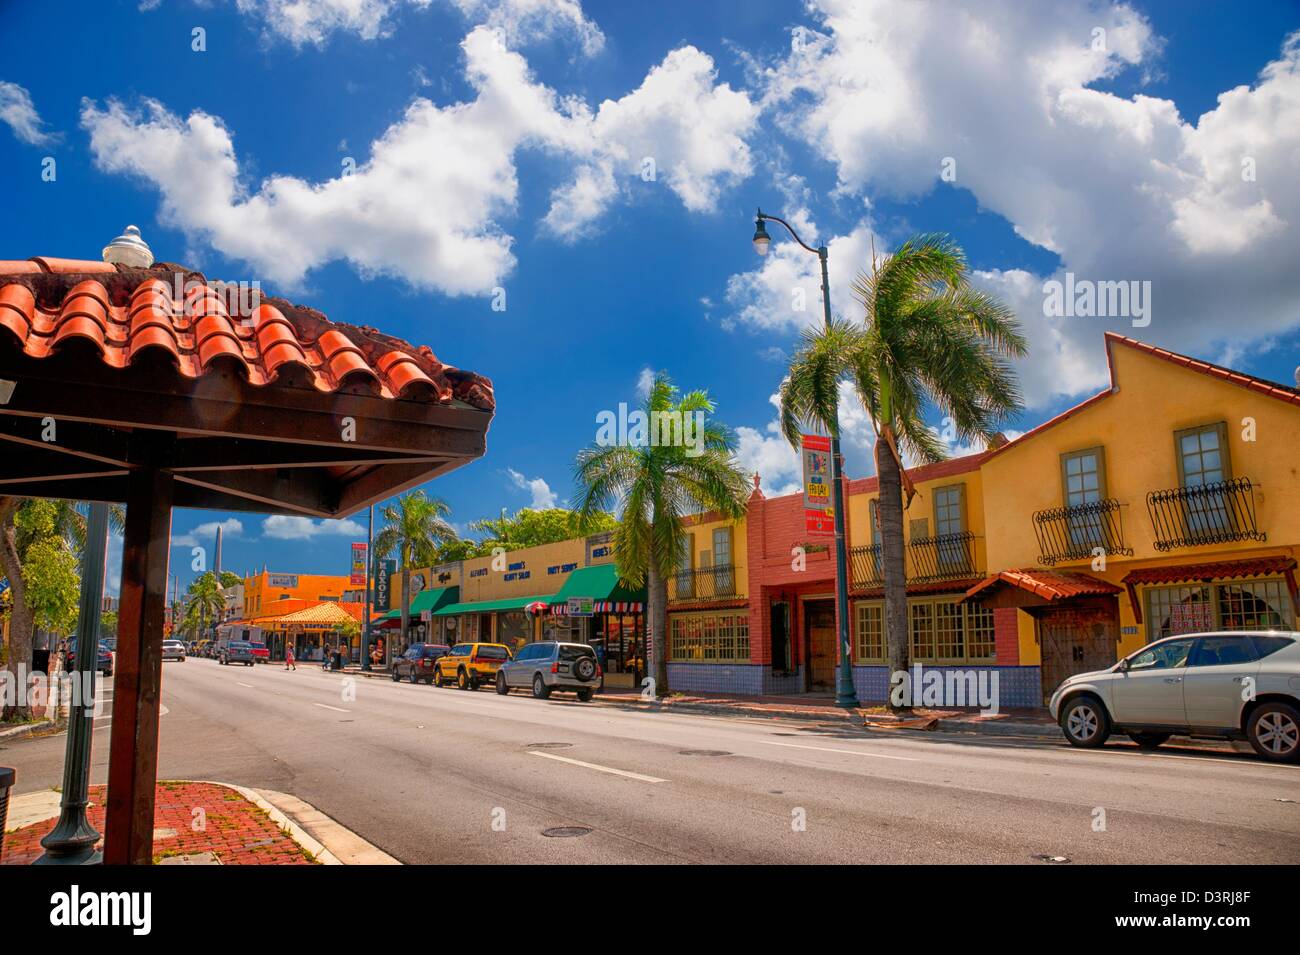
pixel 249 685
pixel 850 752
pixel 336 709
pixel 602 769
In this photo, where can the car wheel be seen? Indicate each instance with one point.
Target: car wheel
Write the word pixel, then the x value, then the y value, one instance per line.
pixel 585 668
pixel 502 686
pixel 584 696
pixel 437 677
pixel 540 690
pixel 397 677
pixel 1084 722
pixel 1149 740
pixel 462 680
pixel 1274 732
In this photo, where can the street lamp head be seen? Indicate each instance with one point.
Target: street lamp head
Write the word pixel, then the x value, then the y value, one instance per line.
pixel 761 239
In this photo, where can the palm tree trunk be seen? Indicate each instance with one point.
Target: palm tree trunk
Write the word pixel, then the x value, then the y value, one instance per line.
pixel 893 560
pixel 21 625
pixel 657 597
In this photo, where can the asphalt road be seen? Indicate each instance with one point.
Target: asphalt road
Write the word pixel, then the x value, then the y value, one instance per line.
pixel 441 775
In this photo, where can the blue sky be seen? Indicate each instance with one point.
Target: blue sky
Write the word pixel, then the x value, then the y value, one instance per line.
pixel 503 144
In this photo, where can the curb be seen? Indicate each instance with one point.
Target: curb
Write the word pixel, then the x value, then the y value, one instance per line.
pixel 296 833
pixel 27 729
pixel 723 709
pixel 999 728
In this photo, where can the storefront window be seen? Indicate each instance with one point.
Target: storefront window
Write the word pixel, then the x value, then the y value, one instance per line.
pixel 709 638
pixel 1239 605
pixel 514 629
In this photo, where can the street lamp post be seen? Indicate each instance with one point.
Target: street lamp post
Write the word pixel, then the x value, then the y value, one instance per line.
pixel 370 563
pixel 72 840
pixel 845 694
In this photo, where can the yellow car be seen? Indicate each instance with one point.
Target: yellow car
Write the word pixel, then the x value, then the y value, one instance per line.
pixel 470 664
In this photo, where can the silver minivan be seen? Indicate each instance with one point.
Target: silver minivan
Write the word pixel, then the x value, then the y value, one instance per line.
pixel 550 665
pixel 1229 685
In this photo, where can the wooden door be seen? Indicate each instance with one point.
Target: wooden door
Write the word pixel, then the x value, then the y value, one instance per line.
pixel 819 618
pixel 1077 639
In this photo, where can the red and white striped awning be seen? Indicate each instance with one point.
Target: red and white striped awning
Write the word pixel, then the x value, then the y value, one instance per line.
pixel 603 606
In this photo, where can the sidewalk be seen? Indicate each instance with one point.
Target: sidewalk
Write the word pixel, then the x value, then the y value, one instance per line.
pixel 207 823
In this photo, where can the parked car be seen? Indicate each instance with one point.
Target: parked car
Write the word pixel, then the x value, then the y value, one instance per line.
pixel 103 659
pixel 173 650
pixel 550 665
pixel 470 664
pixel 416 664
pixel 1230 685
pixel 236 651
pixel 260 653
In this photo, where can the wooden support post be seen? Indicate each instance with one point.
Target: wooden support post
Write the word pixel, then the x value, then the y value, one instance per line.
pixel 137 685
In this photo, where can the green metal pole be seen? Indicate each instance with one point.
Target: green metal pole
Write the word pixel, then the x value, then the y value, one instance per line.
pixel 73 839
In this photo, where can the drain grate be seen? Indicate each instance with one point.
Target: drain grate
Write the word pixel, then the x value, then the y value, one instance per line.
pixel 703 752
pixel 548 745
pixel 1052 860
pixel 565 832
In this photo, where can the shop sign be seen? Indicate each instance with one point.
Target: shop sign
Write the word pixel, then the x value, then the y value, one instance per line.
pixel 359 551
pixel 819 514
pixel 288 581
pixel 581 607
pixel 383 573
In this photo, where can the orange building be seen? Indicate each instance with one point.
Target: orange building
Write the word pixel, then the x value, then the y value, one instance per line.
pixel 267 588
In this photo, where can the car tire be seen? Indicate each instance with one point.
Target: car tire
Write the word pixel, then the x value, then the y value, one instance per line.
pixel 397 677
pixel 1274 732
pixel 1149 740
pixel 585 669
pixel 1084 721
pixel 540 690
pixel 462 680
pixel 503 687
pixel 584 695
pixel 437 677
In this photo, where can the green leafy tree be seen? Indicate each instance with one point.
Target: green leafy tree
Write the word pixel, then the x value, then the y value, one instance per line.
pixel 653 487
pixel 529 528
pixel 414 527
pixel 928 339
pixel 204 601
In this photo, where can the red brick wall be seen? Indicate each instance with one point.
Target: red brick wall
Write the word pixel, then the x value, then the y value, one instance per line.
pixel 1006 635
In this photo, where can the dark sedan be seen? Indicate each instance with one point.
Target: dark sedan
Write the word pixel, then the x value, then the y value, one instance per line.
pixel 103 661
pixel 416 664
pixel 236 651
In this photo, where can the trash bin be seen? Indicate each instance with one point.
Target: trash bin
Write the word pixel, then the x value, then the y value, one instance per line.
pixel 6 783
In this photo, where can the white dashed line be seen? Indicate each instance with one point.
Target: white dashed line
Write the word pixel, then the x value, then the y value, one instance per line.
pixel 601 769
pixel 849 752
pixel 336 709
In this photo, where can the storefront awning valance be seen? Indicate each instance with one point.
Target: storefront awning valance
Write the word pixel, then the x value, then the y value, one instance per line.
pixel 602 585
pixel 491 606
pixel 430 599
pixel 1211 570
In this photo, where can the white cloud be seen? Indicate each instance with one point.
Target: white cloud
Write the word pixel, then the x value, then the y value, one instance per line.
pixel 1121 188
pixel 313 21
pixel 19 112
pixel 427 205
pixel 292 527
pixel 679 127
pixel 524 21
pixel 644 382
pixel 543 496
pixel 230 527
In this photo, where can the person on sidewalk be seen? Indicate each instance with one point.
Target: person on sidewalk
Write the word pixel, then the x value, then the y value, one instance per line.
pixel 288 658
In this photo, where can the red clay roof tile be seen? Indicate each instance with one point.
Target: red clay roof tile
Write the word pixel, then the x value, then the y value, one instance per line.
pixel 1221 569
pixel 47 302
pixel 1048 584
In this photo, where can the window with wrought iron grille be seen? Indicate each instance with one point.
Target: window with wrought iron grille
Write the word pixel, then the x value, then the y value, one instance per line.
pixel 869 635
pixel 1228 605
pixel 709 638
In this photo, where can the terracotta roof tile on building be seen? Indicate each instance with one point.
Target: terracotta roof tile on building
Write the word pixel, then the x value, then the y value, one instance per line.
pixel 323 614
pixel 1222 569
pixel 1048 584
pixel 126 313
pixel 1262 385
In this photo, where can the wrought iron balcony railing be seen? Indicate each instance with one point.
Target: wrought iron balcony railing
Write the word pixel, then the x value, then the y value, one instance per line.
pixel 930 559
pixel 1194 515
pixel 703 583
pixel 1076 531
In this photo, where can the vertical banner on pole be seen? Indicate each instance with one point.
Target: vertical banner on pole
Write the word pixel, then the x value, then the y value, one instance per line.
pixel 360 552
pixel 819 512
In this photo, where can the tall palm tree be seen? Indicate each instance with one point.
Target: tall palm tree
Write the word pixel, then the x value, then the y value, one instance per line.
pixel 928 339
pixel 655 486
pixel 204 599
pixel 415 526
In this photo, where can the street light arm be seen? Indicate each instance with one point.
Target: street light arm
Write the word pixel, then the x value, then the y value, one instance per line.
pixel 789 228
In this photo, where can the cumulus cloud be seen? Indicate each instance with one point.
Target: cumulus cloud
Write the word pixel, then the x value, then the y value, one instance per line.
pixel 427 206
pixel 543 496
pixel 19 112
pixel 292 527
pixel 524 21
pixel 1119 187
pixel 230 527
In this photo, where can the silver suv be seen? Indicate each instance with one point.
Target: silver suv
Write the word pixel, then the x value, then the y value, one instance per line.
pixel 549 665
pixel 1230 685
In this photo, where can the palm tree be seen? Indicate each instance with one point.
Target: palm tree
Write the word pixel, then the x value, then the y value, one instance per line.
pixel 655 486
pixel 415 526
pixel 204 598
pixel 928 340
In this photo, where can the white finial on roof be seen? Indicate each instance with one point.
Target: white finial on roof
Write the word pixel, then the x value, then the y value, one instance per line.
pixel 129 249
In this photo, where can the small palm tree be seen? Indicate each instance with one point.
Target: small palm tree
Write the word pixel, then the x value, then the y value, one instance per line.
pixel 204 599
pixel 652 488
pixel 415 526
pixel 928 340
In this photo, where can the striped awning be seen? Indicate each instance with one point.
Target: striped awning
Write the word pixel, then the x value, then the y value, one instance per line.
pixel 603 606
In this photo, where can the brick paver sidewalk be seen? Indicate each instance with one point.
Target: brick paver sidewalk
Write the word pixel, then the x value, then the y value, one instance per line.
pixel 189 818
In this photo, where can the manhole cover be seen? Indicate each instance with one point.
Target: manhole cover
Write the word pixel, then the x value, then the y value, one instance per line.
pixel 547 745
pixel 703 752
pixel 1052 860
pixel 565 832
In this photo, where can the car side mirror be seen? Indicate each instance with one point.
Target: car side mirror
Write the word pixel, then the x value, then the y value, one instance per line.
pixel 1123 665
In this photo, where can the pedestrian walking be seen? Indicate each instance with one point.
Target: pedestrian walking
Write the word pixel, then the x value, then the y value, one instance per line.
pixel 288 658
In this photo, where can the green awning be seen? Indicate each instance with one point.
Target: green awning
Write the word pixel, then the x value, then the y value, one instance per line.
pixel 492 606
pixel 430 599
pixel 600 583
